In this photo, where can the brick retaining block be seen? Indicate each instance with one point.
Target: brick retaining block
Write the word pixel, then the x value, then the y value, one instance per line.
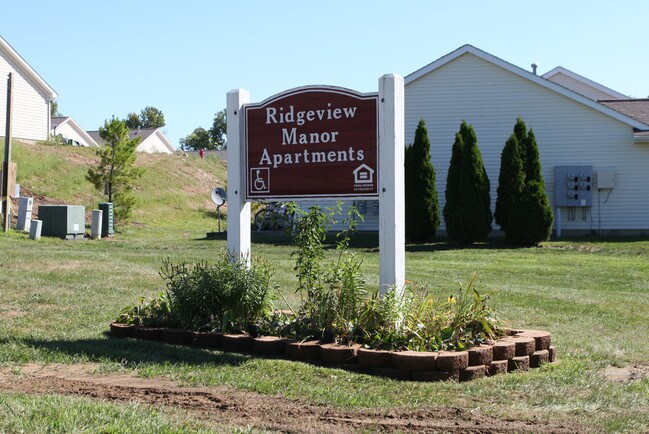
pixel 519 363
pixel 414 360
pixel 480 355
pixel 473 373
pixel 520 350
pixel 452 360
pixel 497 367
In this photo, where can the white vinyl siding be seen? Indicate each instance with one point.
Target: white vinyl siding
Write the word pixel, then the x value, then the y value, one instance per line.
pixel 152 145
pixel 30 109
pixel 567 132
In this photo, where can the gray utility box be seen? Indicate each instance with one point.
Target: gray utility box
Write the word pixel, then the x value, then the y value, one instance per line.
pixel 107 227
pixel 573 186
pixel 64 221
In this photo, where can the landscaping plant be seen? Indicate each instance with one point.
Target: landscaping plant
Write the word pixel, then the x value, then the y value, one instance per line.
pixel 522 207
pixel 422 204
pixel 467 210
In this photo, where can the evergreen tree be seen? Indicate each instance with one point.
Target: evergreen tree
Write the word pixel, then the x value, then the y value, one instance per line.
pixel 116 171
pixel 511 182
pixel 467 210
pixel 522 208
pixel 422 204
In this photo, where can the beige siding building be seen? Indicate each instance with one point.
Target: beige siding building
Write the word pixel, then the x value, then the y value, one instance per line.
pixel 31 97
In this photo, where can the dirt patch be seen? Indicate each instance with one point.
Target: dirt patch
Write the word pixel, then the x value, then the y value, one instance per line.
pixel 223 405
pixel 628 374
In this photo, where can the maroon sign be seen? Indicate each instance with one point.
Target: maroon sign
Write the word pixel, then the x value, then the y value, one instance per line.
pixel 312 142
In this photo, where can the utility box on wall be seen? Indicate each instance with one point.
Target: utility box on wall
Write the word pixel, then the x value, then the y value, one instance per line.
pixel 63 221
pixel 573 186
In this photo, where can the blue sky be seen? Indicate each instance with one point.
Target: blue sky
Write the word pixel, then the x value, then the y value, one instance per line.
pixel 112 58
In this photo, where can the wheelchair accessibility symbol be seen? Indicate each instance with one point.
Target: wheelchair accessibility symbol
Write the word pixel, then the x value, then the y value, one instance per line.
pixel 260 180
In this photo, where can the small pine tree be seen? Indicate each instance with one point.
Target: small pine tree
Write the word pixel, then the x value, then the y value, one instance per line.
pixel 116 171
pixel 422 204
pixel 522 208
pixel 467 210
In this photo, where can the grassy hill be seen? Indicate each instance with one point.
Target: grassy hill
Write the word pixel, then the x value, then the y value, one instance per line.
pixel 173 193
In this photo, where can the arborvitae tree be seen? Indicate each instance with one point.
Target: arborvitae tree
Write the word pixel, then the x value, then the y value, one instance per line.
pixel 522 208
pixel 116 171
pixel 511 182
pixel 532 160
pixel 467 210
pixel 422 204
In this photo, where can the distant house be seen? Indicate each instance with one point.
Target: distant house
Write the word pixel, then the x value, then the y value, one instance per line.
pixel 31 97
pixel 71 132
pixel 152 140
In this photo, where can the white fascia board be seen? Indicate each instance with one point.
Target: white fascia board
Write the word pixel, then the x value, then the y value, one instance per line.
pixel 528 76
pixel 13 54
pixel 165 140
pixel 582 79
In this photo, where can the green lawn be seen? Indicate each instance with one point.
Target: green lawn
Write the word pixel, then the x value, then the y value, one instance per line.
pixel 58 297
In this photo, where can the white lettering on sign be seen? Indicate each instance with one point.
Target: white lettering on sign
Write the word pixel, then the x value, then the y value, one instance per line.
pixel 310 157
pixel 291 137
pixel 290 116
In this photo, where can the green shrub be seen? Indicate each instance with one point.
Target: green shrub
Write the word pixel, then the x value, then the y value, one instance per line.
pixel 522 207
pixel 421 202
pixel 222 296
pixel 152 313
pixel 331 294
pixel 467 210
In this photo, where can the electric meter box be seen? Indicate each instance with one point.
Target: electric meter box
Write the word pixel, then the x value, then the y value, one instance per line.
pixel 573 186
pixel 63 221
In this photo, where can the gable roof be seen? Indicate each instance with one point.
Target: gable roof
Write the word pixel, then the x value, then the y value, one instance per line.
pixel 143 133
pixel 59 121
pixel 469 49
pixel 27 69
pixel 559 70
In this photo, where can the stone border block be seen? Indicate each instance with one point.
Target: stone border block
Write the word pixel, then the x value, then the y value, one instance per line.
pixel 497 367
pixel 543 339
pixel 519 363
pixel 336 353
pixel 414 360
pixel 473 373
pixel 374 358
pixel 452 360
pixel 504 349
pixel 539 358
pixel 480 355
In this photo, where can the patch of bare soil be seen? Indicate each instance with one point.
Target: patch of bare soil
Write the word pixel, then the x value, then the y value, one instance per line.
pixel 627 374
pixel 227 406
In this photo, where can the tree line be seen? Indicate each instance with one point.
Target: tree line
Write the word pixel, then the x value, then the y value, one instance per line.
pixel 522 207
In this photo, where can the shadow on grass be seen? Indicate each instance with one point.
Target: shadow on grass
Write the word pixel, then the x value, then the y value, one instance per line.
pixel 133 352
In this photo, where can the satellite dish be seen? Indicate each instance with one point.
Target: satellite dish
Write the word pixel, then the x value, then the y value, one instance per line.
pixel 218 196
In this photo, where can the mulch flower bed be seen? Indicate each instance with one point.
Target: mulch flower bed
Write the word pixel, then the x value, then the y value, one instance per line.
pixel 520 350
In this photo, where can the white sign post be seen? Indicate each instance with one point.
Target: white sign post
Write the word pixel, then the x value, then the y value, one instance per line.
pixel 392 265
pixel 238 209
pixel 391 189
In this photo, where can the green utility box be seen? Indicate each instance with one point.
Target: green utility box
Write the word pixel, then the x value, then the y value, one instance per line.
pixel 64 221
pixel 107 228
